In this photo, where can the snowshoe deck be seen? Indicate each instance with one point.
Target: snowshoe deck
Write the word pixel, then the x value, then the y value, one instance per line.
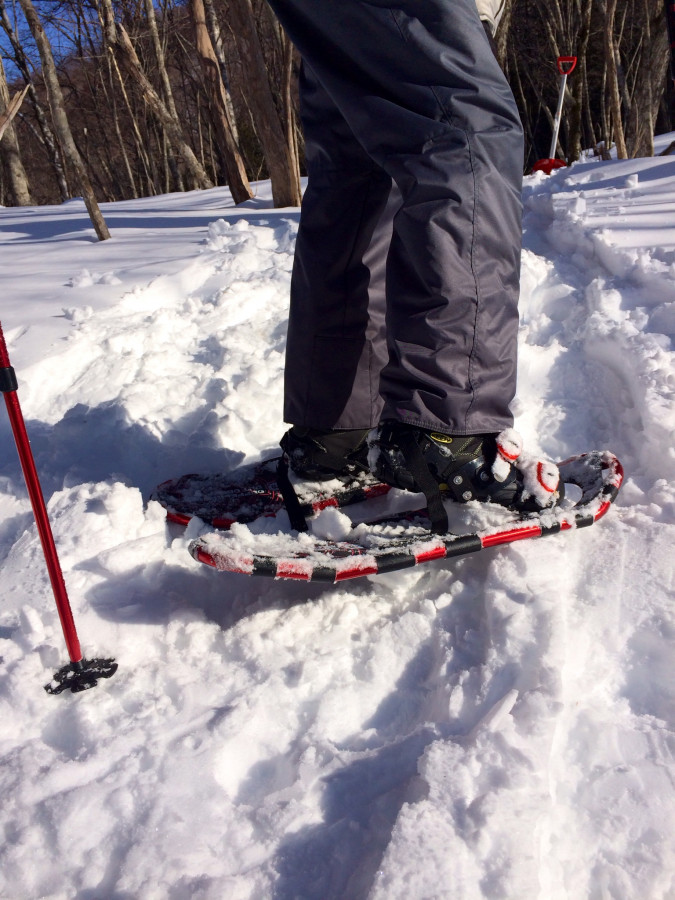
pixel 404 541
pixel 250 492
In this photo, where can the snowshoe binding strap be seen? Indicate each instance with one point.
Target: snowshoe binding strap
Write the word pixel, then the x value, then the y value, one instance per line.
pixel 290 498
pixel 425 481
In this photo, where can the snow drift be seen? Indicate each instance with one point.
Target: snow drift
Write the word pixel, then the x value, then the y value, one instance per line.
pixel 488 727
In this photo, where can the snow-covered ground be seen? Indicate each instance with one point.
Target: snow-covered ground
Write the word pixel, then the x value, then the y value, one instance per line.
pixel 499 726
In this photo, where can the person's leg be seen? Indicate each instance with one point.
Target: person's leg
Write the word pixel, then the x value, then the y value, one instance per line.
pixel 421 91
pixel 336 346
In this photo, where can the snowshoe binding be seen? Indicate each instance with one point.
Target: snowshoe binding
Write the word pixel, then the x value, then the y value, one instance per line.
pixel 486 467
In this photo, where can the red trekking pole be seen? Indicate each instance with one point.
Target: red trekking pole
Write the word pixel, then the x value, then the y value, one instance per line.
pixel 80 674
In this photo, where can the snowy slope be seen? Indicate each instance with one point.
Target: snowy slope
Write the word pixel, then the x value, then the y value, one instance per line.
pixel 492 727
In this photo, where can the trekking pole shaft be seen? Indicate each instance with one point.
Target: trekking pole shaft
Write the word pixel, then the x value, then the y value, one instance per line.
pixel 38 504
pixel 558 116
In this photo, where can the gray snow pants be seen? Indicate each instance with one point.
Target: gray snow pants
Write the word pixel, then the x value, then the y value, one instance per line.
pixel 405 283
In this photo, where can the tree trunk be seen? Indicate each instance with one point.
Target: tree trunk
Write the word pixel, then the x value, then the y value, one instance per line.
pixel 217 42
pixel 611 62
pixel 120 44
pixel 579 79
pixel 502 36
pixel 281 165
pixel 159 56
pixel 237 178
pixel 670 30
pixel 114 110
pixel 288 51
pixel 46 133
pixel 646 88
pixel 140 144
pixel 60 119
pixel 11 105
pixel 9 145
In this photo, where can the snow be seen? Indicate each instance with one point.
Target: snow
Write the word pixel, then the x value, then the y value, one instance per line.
pixel 496 726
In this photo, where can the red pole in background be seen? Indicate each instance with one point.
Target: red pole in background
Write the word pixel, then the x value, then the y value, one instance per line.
pixel 566 65
pixel 80 674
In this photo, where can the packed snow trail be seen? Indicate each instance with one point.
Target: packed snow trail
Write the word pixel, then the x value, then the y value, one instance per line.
pixel 492 727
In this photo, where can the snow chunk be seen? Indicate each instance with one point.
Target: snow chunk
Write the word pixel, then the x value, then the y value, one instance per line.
pixel 331 524
pixel 85 278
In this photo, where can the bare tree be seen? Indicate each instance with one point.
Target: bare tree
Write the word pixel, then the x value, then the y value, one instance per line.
pixel 612 63
pixel 154 105
pixel 567 24
pixel 46 136
pixel 215 92
pixel 11 105
pixel 60 118
pixel 281 161
pixel 216 34
pixel 120 44
pixel 9 145
pixel 644 70
pixel 615 94
pixel 502 36
pixel 167 92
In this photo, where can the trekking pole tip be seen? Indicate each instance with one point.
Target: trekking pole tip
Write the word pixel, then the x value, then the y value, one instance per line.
pixel 81 676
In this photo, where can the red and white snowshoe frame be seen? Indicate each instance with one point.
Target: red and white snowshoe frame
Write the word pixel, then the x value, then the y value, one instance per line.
pixel 598 475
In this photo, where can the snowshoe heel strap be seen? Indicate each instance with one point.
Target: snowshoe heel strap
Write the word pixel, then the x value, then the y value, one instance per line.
pixel 425 481
pixel 290 498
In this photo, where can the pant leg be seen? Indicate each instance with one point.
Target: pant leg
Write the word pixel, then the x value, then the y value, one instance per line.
pixel 336 344
pixel 454 264
pixel 423 95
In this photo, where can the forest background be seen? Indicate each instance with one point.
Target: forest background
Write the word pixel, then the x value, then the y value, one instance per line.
pixel 118 99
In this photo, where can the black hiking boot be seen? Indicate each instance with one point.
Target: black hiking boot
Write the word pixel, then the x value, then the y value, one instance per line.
pixel 317 455
pixel 483 467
